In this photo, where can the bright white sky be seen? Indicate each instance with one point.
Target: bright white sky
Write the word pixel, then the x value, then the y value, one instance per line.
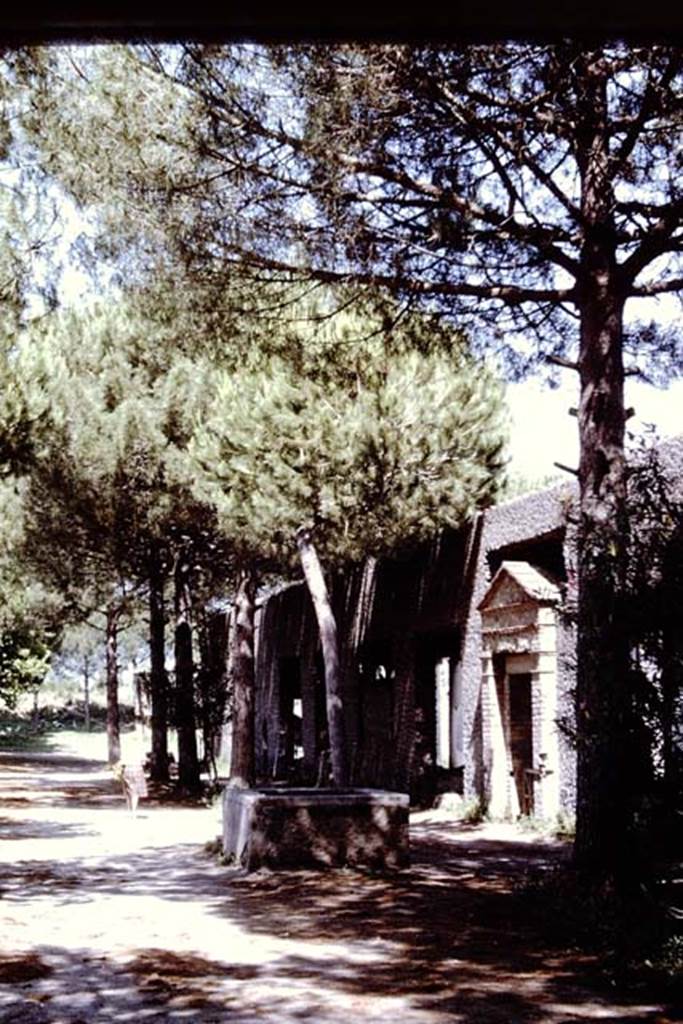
pixel 543 432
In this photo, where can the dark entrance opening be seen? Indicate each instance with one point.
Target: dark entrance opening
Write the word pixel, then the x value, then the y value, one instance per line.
pixel 521 740
pixel 436 765
pixel 321 763
pixel 375 751
pixel 291 732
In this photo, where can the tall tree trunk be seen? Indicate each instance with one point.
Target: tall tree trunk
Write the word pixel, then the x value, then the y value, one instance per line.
pixel 113 724
pixel 242 769
pixel 404 689
pixel 188 766
pixel 330 647
pixel 86 690
pixel 213 682
pixel 140 701
pixel 603 647
pixel 671 688
pixel 157 676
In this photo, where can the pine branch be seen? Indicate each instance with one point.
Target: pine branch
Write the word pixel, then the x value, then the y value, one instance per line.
pixel 650 105
pixel 566 364
pixel 674 284
pixel 658 241
pixel 509 294
pixel 566 469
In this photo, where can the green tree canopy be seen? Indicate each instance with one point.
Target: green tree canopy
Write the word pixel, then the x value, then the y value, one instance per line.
pixel 412 448
pixel 359 456
pixel 530 190
pixel 31 613
pixel 108 509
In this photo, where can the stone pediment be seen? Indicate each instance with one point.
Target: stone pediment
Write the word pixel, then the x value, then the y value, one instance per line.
pixel 520 583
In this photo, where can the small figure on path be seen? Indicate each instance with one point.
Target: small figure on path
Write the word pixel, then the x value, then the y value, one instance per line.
pixel 134 783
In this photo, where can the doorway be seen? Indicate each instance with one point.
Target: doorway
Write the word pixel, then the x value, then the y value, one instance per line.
pixel 438 723
pixel 521 740
pixel 290 748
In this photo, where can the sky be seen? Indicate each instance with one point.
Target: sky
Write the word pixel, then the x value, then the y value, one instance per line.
pixel 543 432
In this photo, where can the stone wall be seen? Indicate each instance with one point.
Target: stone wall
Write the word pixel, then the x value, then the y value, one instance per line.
pixel 388 613
pixel 394 616
pixel 531 528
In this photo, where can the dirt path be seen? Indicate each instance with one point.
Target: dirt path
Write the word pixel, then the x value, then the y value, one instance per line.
pixel 105 920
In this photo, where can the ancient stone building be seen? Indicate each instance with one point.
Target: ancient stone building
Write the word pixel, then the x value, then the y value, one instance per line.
pixel 458 665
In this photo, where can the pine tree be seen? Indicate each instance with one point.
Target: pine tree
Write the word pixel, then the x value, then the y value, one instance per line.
pixel 530 190
pixel 31 614
pixel 69 537
pixel 108 509
pixel 360 457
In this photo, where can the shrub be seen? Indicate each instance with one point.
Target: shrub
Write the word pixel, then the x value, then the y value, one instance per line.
pixel 473 811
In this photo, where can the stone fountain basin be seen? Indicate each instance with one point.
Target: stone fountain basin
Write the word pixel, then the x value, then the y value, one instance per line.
pixel 278 827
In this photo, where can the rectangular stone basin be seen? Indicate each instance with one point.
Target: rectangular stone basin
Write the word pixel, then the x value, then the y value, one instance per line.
pixel 319 828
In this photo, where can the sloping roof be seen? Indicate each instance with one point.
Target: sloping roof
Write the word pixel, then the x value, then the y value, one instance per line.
pixel 537 584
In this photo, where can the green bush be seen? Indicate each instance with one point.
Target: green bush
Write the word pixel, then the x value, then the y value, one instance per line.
pixel 20 732
pixel 473 812
pixel 72 715
pixel 29 729
pixel 668 959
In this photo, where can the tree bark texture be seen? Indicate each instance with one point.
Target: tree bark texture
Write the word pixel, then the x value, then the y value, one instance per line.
pixel 213 682
pixel 158 680
pixel 327 627
pixel 188 765
pixel 405 713
pixel 603 647
pixel 86 690
pixel 113 725
pixel 671 688
pixel 242 762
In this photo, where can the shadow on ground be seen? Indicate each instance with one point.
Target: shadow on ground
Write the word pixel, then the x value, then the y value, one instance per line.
pixel 11 829
pixel 450 939
pixel 56 780
pixel 156 985
pixel 55 984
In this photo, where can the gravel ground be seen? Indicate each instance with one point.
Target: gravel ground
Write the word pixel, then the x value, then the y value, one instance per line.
pixel 109 919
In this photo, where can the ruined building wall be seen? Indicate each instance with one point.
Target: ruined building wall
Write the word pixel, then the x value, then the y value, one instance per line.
pixel 531 528
pixel 398 617
pixel 382 608
pixel 391 615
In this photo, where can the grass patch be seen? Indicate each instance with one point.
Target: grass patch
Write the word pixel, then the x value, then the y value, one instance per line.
pixel 561 827
pixel 20 732
pixel 473 812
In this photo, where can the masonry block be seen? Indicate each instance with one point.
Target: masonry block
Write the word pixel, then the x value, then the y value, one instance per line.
pixel 318 828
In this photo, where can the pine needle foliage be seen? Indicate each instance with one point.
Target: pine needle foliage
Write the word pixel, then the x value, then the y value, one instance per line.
pixel 373 453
